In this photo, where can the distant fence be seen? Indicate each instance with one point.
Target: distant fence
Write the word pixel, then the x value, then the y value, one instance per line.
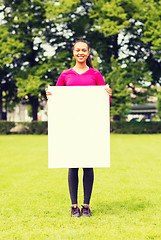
pixel 41 127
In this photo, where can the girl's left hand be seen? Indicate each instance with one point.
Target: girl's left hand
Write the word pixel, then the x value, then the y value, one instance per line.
pixel 108 90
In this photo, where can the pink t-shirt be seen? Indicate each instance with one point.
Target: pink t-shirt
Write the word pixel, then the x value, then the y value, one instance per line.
pixel 72 78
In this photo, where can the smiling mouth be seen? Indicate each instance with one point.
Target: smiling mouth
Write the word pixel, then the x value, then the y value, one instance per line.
pixel 80 56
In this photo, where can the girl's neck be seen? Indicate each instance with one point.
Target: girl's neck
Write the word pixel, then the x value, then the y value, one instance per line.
pixel 81 66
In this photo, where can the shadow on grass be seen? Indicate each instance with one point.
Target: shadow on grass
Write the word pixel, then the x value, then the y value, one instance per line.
pixel 118 207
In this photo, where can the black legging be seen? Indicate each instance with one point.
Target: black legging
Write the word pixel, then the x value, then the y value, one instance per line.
pixel 88 177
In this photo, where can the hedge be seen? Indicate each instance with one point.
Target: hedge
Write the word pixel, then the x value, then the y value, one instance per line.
pixel 41 127
pixel 34 127
pixel 135 127
pixel 38 127
pixel 5 127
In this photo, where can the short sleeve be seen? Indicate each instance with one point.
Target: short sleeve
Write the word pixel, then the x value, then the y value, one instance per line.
pixel 61 81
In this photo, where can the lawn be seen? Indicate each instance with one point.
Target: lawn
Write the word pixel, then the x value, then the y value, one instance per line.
pixel 126 199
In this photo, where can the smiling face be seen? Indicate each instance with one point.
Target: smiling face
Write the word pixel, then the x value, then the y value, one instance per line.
pixel 81 52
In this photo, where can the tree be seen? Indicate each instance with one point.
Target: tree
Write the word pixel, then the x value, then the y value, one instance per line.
pixel 124 34
pixel 26 21
pixel 112 27
pixel 128 23
pixel 116 80
pixel 9 50
pixel 152 29
pixel 159 103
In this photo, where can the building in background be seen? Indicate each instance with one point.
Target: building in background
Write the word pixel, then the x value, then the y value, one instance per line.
pixel 139 112
pixel 20 113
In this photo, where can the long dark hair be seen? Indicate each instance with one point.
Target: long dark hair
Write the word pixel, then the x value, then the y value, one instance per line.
pixel 88 61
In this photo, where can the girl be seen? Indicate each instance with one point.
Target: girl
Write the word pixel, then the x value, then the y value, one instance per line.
pixel 82 74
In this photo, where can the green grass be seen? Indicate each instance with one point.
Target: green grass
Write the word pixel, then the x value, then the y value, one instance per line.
pixel 126 199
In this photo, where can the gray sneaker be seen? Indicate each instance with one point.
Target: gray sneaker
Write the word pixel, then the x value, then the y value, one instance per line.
pixel 85 210
pixel 75 212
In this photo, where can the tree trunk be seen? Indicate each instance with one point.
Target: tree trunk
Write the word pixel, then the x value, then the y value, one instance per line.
pixel 0 101
pixel 34 104
pixel 115 46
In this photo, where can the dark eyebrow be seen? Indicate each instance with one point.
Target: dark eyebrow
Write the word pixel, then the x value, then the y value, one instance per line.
pixel 82 48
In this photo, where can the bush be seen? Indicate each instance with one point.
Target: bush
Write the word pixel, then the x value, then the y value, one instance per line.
pixel 5 127
pixel 41 127
pixel 135 127
pixel 37 127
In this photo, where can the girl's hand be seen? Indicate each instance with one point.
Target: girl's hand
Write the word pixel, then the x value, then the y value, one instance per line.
pixel 108 90
pixel 48 93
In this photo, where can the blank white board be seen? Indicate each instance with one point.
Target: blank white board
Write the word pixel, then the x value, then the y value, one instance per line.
pixel 78 127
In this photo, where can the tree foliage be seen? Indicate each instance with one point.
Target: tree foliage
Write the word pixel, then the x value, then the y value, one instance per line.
pixel 26 21
pixel 123 35
pixel 120 101
pixel 10 49
pixel 152 30
pixel 159 103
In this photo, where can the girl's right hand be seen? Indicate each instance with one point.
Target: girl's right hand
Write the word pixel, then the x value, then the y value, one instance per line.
pixel 48 93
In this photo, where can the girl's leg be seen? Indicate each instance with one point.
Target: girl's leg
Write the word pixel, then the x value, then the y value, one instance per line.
pixel 73 184
pixel 88 179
